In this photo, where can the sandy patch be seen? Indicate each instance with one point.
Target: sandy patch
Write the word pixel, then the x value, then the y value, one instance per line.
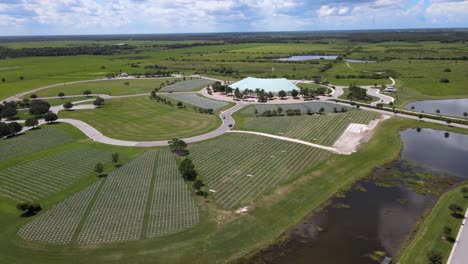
pixel 354 135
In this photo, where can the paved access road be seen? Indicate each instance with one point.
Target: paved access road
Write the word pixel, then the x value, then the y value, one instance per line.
pixel 459 254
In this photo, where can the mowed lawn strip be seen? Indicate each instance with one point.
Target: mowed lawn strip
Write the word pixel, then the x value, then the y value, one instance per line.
pixel 238 173
pixel 32 141
pixel 322 129
pixel 198 100
pixel 118 213
pixel 187 86
pixel 58 225
pixel 172 207
pixel 429 236
pixel 43 177
pixel 109 87
pixel 143 119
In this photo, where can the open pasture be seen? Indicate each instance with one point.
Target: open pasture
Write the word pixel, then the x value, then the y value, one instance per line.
pixel 40 178
pixel 32 141
pixel 143 119
pixel 239 173
pixel 322 129
pixel 198 100
pixel 187 86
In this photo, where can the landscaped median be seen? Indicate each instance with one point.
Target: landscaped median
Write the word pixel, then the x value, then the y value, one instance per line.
pixel 436 234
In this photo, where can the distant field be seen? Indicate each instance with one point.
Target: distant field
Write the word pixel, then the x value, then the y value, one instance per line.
pixel 198 100
pixel 321 129
pixel 109 87
pixel 146 194
pixel 142 119
pixel 187 86
pixel 238 173
pixel 32 141
pixel 43 177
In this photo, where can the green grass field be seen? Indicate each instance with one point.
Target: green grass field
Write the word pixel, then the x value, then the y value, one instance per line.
pixel 32 141
pixel 219 236
pixel 322 129
pixel 109 87
pixel 252 168
pixel 61 101
pixel 142 119
pixel 198 101
pixel 187 86
pixel 429 235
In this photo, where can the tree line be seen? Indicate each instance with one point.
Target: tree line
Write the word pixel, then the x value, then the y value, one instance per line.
pixel 62 51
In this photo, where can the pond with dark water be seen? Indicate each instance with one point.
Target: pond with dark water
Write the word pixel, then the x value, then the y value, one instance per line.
pixel 374 217
pixel 451 107
pixel 320 57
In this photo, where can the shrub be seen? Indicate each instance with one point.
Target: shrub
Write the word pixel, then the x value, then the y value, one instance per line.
pixel 444 80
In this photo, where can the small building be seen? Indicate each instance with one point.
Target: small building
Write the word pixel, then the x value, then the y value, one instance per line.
pixel 268 85
pixel 123 75
pixel 390 89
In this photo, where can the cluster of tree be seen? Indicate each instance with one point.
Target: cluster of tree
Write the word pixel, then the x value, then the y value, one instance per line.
pixel 39 107
pixel 218 87
pixel 149 74
pixel 326 67
pixel 223 70
pixel 160 99
pixel 362 76
pixel 187 170
pixel 50 117
pixel 155 66
pixel 62 51
pixel 461 58
pixel 29 209
pixel 178 147
pixel 356 92
pixel 311 92
pixel 8 110
pixel 9 129
pixel 198 186
pixel 204 110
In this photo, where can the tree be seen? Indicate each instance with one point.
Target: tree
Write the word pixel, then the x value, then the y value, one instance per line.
pixel 39 107
pixel 3 80
pixel 31 122
pixel 87 92
pixel 99 168
pixel 21 78
pixel 8 111
pixel 33 96
pixel 180 104
pixel 434 257
pixel 29 209
pixel 197 185
pixel 5 130
pixel 456 210
pixel 418 129
pixel 178 147
pixel 321 110
pixel 282 94
pixel 187 170
pixel 279 110
pixel 50 117
pixel 15 128
pixel 238 94
pixel 444 80
pixel 420 116
pixel 115 157
pixel 99 101
pixel 294 93
pixel 465 114
pixel 68 105
pixel 437 111
pixel 61 94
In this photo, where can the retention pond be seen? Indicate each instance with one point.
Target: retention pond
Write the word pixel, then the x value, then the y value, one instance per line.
pixel 375 216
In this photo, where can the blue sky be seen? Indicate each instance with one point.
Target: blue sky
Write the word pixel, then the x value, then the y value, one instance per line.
pixel 58 17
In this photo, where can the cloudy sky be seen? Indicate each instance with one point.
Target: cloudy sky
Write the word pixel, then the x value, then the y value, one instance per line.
pixel 49 17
